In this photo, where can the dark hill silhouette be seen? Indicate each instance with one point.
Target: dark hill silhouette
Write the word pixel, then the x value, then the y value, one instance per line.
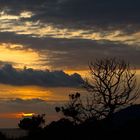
pixel 127 114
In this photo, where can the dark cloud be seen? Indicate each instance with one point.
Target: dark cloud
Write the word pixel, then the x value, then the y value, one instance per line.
pixel 79 58
pixel 97 13
pixel 27 101
pixel 73 53
pixel 9 75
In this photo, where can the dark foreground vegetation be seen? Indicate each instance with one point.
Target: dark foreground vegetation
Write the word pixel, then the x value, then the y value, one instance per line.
pixel 118 128
pixel 90 130
pixel 108 112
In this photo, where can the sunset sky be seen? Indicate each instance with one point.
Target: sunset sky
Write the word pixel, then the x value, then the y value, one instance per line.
pixel 53 38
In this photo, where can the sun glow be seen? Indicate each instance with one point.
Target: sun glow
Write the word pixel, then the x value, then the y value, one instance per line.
pixel 22 114
pixel 17 55
pixel 16 115
pixel 27 114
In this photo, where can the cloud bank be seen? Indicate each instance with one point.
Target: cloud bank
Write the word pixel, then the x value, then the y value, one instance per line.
pixel 28 76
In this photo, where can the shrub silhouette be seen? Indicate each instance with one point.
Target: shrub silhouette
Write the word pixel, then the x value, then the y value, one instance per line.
pixel 35 122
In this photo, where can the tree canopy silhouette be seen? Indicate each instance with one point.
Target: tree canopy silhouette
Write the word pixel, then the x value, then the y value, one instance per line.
pixel 112 85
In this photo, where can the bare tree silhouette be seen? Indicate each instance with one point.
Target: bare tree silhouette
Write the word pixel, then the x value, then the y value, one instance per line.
pixel 111 86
